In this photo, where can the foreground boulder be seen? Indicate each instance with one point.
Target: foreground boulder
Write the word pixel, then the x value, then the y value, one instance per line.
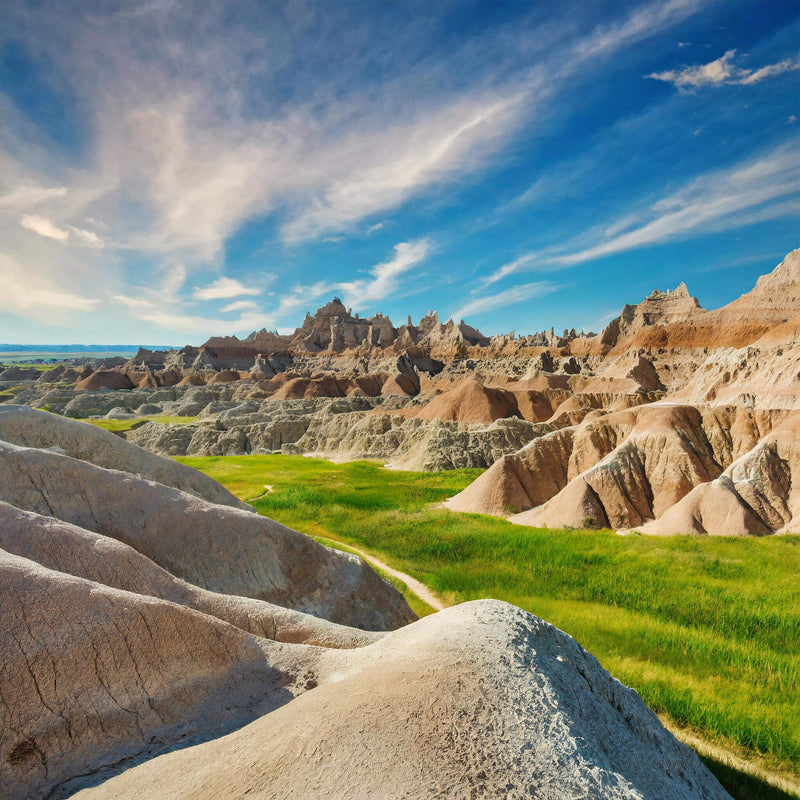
pixel 479 700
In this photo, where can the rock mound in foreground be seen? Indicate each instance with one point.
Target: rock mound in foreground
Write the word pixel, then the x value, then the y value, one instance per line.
pixel 29 427
pixel 478 700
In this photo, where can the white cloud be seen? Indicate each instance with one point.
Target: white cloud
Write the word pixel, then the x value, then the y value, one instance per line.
pixel 753 191
pixel 87 237
pixel 384 280
pixel 240 305
pixel 204 326
pixel 374 228
pixel 509 297
pixel 718 200
pixel 47 228
pixel 224 288
pixel 302 297
pixel 386 276
pixel 375 171
pixel 20 292
pixel 644 21
pixel 170 320
pixel 133 302
pixel 44 227
pixel 516 265
pixel 25 196
pixel 721 71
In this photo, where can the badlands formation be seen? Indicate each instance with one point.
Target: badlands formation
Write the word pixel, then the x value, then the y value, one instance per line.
pixel 162 640
pixel 674 419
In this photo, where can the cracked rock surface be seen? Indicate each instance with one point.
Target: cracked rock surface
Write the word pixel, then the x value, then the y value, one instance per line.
pixel 154 644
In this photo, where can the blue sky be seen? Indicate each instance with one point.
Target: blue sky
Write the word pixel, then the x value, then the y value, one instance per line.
pixel 171 170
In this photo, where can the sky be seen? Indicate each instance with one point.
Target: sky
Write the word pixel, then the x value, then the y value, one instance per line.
pixel 172 170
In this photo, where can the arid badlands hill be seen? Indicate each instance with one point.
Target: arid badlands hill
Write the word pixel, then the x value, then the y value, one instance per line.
pixel 719 453
pixel 157 644
pixel 674 419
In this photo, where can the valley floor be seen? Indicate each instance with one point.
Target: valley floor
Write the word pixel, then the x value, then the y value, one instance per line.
pixel 705 629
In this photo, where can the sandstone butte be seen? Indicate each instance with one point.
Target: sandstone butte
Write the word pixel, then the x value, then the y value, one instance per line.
pixel 162 640
pixel 673 419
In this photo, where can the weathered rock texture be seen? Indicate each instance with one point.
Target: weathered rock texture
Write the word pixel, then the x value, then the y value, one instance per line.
pixel 479 700
pixel 715 454
pixel 30 428
pixel 137 619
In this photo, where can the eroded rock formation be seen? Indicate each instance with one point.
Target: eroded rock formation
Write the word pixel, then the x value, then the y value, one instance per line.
pixel 203 651
pixel 438 396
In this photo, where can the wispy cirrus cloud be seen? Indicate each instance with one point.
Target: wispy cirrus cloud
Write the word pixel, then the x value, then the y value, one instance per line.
pixel 384 278
pixel 224 288
pixel 239 305
pixel 506 298
pixel 759 189
pixel 722 71
pixel 195 122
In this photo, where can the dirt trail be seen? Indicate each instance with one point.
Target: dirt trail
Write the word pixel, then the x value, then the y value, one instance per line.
pixel 786 783
pixel 418 588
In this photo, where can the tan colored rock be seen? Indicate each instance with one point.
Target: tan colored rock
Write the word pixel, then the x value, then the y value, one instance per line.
pixel 29 427
pixel 479 698
pixel 215 547
pixel 91 675
pixel 104 379
pixel 75 551
pixel 470 401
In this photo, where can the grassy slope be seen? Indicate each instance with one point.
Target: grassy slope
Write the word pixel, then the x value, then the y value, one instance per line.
pixel 121 425
pixel 707 630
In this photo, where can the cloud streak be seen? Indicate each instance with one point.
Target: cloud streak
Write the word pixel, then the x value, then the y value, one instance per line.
pixel 722 71
pixel 757 190
pixel 504 299
pixel 384 278
pixel 224 288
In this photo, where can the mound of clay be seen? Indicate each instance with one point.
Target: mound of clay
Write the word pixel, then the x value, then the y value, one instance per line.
pixel 104 379
pixel 479 700
pixel 19 374
pixel 223 376
pixel 758 494
pixel 470 401
pixel 718 471
pixel 254 557
pixel 29 427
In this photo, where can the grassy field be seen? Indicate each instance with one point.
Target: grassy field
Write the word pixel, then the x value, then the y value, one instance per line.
pixel 706 630
pixel 121 425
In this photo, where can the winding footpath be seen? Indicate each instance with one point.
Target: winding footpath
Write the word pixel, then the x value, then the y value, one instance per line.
pixel 415 586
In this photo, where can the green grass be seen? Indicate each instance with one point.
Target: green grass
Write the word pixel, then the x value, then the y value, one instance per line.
pixel 122 425
pixel 418 606
pixel 16 365
pixel 705 629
